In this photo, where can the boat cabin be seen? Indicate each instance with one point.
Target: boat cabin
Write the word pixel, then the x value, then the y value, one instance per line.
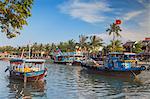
pixel 27 65
pixel 68 57
pixel 120 60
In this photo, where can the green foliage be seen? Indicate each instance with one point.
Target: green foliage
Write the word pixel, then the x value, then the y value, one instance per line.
pixel 95 43
pixel 13 15
pixel 68 46
pixel 7 49
pixel 114 29
pixel 137 48
pixel 83 44
pixel 115 46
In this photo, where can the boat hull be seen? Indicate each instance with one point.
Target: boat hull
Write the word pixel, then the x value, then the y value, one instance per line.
pixel 76 63
pixel 31 76
pixel 113 73
pixel 64 63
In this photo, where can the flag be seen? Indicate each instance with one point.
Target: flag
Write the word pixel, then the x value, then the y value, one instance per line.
pixel 118 22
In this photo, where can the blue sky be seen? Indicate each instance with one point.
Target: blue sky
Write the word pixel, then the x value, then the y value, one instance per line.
pixel 62 20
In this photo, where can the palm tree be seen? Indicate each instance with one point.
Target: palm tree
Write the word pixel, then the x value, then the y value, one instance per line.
pixel 35 47
pixel 137 48
pixel 47 49
pixel 62 46
pixel 53 47
pixel 83 42
pixel 41 47
pixel 115 46
pixel 95 43
pixel 71 45
pixel 114 30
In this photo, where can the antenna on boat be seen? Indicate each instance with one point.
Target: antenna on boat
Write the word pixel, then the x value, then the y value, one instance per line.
pixel 29 50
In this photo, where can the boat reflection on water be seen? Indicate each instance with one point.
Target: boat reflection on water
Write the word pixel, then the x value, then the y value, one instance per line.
pixel 91 74
pixel 108 87
pixel 28 91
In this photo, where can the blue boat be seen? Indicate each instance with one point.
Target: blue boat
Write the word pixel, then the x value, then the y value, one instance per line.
pixel 117 64
pixel 69 58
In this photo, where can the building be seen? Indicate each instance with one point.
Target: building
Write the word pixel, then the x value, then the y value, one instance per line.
pixel 146 45
pixel 128 46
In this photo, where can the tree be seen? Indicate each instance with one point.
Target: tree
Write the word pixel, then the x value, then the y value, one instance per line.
pixel 8 49
pixel 137 48
pixel 95 43
pixel 114 30
pixel 47 47
pixel 13 16
pixel 115 46
pixel 71 45
pixel 83 42
pixel 34 47
pixel 67 46
pixel 53 47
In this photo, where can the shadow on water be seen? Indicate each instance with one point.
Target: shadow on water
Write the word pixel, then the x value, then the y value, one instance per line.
pixel 29 91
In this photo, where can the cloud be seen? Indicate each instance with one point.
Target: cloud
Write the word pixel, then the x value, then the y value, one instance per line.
pixel 136 22
pixel 91 12
pixel 145 3
pixel 133 35
pixel 141 1
pixel 131 15
pixel 126 35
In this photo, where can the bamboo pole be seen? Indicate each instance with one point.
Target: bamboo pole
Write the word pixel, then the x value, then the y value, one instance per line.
pixel 22 53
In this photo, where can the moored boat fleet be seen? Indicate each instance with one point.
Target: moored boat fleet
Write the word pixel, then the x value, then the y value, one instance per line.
pixel 120 64
pixel 117 64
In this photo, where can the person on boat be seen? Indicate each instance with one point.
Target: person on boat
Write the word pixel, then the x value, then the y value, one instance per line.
pixel 20 68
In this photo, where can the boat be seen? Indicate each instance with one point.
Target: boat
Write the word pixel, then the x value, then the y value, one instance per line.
pixel 69 58
pixel 117 64
pixel 27 69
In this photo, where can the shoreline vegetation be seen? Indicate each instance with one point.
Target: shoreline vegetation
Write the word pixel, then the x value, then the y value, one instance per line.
pixel 92 45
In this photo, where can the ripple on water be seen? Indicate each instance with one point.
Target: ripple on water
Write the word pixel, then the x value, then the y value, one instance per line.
pixel 72 82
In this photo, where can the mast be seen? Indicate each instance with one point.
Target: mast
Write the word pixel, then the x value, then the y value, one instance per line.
pixel 22 53
pixel 29 51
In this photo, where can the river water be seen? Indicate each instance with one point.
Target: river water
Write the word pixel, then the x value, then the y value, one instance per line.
pixel 72 82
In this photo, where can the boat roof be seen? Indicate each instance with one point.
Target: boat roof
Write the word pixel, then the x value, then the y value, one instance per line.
pixel 70 54
pixel 127 53
pixel 27 60
pixel 115 53
pixel 123 53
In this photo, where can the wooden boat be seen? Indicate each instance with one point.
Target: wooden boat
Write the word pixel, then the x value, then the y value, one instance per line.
pixel 68 58
pixel 27 69
pixel 117 64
